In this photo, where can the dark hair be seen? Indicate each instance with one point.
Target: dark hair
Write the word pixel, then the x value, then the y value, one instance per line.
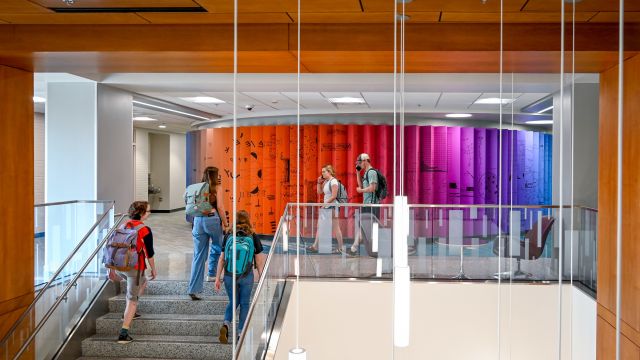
pixel 243 222
pixel 210 175
pixel 137 209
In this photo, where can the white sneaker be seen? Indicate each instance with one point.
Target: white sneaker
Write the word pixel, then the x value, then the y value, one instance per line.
pixel 211 278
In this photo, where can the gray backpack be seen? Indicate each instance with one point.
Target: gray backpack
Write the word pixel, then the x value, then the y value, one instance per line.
pixel 121 252
pixel 342 197
pixel 196 199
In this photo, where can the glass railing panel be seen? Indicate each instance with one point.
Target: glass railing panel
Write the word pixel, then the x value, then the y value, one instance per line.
pixel 481 242
pixel 328 235
pixel 581 259
pixel 445 243
pixel 62 300
pixel 259 325
pixel 58 229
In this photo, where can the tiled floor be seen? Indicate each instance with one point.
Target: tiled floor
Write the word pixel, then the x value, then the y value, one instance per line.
pixel 173 245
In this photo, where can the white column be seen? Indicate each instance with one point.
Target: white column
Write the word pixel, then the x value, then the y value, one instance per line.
pixel 70 166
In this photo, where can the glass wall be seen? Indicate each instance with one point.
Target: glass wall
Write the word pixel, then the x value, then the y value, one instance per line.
pixel 482 119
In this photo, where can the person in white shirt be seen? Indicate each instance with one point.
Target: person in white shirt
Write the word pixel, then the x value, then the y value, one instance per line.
pixel 328 185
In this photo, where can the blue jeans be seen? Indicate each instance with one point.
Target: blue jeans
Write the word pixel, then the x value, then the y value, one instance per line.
pixel 205 229
pixel 244 286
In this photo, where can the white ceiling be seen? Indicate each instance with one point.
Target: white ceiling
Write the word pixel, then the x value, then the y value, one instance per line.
pixel 276 94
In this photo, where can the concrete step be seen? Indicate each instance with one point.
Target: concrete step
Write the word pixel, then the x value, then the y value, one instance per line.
pixel 163 324
pixel 156 346
pixel 172 287
pixel 172 304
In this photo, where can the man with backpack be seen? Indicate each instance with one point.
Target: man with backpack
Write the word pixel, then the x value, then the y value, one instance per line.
pixel 248 255
pixel 373 187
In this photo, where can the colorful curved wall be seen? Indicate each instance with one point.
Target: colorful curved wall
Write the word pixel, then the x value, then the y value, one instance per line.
pixel 442 165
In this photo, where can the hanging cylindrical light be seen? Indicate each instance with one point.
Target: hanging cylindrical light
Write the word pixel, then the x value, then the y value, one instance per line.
pixel 401 273
pixel 297 354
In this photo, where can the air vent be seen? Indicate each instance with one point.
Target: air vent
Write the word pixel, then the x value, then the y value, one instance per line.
pixel 76 10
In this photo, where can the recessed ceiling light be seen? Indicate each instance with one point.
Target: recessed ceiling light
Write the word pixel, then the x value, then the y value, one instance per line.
pixel 401 17
pixel 458 115
pixel 540 122
pixel 170 110
pixel 347 100
pixel 494 101
pixel 163 126
pixel 143 118
pixel 403 1
pixel 204 100
pixel 38 99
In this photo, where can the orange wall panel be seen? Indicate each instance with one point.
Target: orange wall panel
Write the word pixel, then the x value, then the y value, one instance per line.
pixel 282 168
pixel 269 215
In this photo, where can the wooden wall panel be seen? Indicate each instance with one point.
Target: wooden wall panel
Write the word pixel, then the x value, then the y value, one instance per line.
pixel 16 189
pixel 606 344
pixel 607 185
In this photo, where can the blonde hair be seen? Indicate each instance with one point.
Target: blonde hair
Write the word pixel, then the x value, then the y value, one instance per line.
pixel 330 170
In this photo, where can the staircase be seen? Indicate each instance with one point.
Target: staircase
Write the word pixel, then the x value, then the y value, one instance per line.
pixel 171 326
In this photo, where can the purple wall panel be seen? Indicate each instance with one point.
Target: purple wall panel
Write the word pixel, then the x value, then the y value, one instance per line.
pixel 480 166
pixel 506 166
pixel 492 178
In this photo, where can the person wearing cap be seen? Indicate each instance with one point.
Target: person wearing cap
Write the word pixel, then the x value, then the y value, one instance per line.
pixel 367 184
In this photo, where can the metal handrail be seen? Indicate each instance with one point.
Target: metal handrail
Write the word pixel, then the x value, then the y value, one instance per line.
pixel 74 202
pixel 55 275
pixel 260 284
pixel 67 289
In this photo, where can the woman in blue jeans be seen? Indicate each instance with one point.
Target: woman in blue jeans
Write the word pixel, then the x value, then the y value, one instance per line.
pixel 244 282
pixel 207 227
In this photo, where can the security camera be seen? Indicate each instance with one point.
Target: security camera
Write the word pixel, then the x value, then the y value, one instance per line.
pixel 249 107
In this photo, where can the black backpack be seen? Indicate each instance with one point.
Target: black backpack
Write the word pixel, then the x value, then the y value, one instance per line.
pixel 381 190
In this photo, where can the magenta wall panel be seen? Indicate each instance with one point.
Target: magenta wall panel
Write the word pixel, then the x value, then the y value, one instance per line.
pixel 492 177
pixel 453 165
pixel 426 165
pixel 412 163
pixel 440 184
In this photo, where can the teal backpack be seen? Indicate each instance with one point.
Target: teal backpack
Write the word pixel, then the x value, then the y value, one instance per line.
pixel 196 199
pixel 244 254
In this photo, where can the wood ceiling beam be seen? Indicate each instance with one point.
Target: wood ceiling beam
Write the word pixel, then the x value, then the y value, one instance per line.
pixel 315 37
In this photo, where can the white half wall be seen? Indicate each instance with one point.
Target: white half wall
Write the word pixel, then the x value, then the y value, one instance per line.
pixel 115 149
pixel 354 320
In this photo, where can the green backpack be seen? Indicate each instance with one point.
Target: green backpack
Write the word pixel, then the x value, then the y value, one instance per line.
pixel 244 254
pixel 196 199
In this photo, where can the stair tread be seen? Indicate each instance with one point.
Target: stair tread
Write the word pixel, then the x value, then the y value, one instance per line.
pixel 173 298
pixel 182 339
pixel 166 317
pixel 116 357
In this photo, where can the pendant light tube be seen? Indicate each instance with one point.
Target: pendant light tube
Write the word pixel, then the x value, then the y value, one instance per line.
pixel 619 180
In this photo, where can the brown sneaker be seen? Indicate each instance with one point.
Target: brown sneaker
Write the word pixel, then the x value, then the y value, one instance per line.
pixel 224 331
